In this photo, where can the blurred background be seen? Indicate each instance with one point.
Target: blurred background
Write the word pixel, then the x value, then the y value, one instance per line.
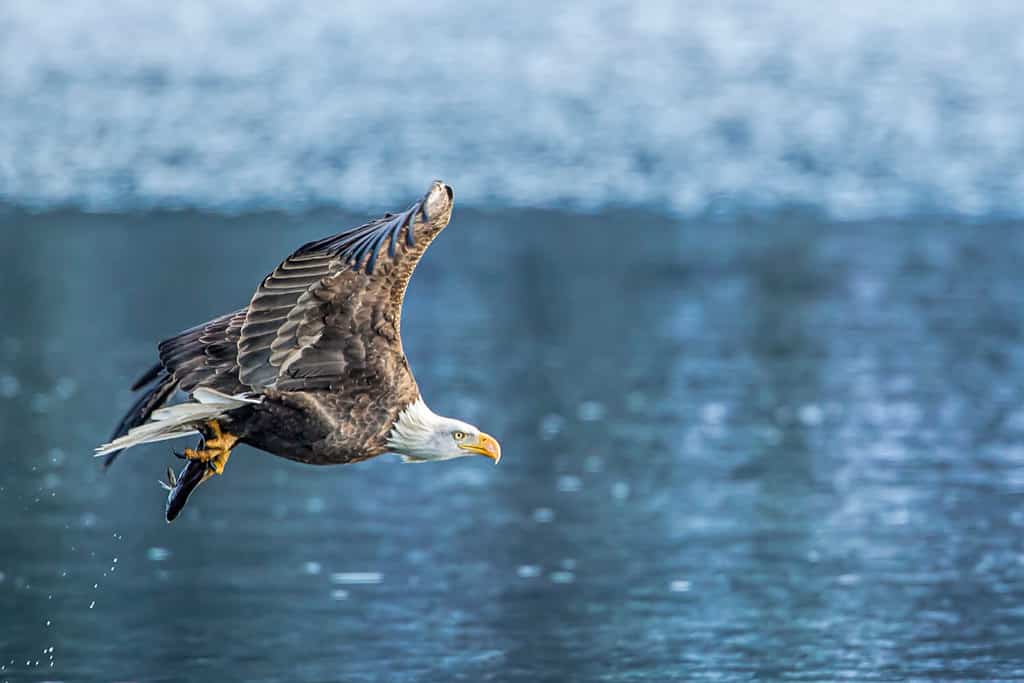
pixel 738 288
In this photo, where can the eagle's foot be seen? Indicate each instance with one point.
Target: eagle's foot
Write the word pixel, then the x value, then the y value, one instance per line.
pixel 216 447
pixel 202 464
pixel 215 457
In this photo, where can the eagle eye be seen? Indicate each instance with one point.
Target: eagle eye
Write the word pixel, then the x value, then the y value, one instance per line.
pixel 459 436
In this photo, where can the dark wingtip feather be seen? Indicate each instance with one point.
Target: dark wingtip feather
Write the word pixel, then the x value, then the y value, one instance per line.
pixel 355 244
pixel 148 377
pixel 110 458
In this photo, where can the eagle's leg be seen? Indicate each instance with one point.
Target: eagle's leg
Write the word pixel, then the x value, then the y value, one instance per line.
pixel 202 464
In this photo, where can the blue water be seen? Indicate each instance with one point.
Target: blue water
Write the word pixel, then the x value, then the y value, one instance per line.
pixel 856 111
pixel 768 450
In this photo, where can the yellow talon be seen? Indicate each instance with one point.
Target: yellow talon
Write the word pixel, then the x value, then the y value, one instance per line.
pixel 216 450
pixel 218 462
pixel 202 456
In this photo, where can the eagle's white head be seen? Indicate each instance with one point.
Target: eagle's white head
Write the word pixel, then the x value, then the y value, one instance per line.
pixel 420 435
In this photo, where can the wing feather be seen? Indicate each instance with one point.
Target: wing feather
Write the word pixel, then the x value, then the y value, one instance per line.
pixel 330 312
pixel 206 355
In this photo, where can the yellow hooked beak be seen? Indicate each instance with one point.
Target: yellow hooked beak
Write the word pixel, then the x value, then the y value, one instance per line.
pixel 485 445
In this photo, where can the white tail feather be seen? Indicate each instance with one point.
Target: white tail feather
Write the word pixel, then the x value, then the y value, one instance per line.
pixel 179 420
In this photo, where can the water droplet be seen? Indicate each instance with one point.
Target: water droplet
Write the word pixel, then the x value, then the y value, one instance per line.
pixel 315 505
pixel 620 490
pixel 339 594
pixel 528 571
pixel 679 586
pixel 92 604
pixel 311 568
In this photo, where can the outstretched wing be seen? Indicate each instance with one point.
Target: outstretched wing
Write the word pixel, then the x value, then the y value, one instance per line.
pixel 329 315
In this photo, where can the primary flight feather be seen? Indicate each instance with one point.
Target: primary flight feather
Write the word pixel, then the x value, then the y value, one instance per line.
pixel 312 369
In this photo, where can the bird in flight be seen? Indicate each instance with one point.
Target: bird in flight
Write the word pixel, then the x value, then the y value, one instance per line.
pixel 311 370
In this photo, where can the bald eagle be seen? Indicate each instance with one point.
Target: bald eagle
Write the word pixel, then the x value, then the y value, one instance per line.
pixel 311 370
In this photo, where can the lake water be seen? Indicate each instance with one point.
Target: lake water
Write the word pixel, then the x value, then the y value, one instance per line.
pixel 774 449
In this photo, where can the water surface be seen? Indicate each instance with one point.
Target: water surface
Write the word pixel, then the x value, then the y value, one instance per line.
pixel 778 449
